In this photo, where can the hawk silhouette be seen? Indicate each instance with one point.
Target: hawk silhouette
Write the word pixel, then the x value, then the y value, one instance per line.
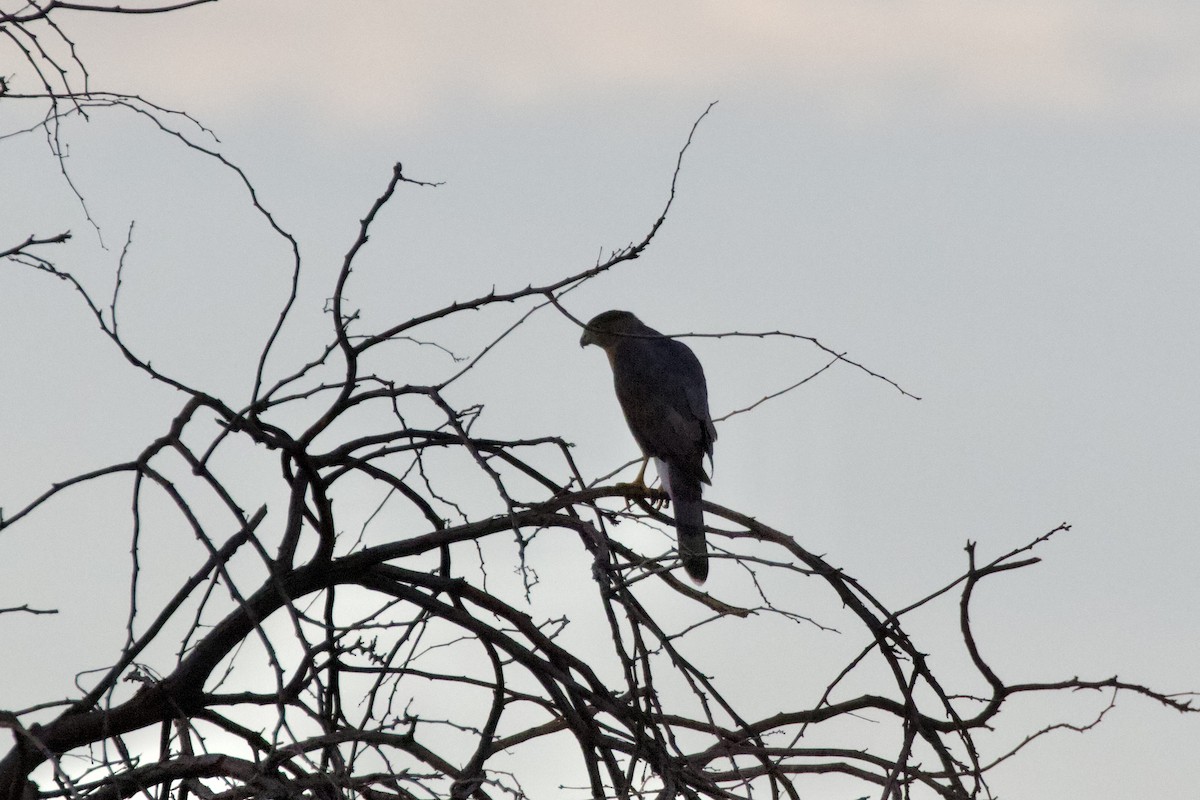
pixel 660 386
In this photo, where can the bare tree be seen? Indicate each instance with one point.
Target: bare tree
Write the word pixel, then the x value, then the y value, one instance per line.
pixel 297 660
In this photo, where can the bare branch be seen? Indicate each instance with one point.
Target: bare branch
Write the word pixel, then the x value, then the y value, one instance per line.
pixel 416 617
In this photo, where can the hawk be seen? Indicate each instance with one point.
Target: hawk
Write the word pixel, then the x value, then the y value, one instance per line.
pixel 660 386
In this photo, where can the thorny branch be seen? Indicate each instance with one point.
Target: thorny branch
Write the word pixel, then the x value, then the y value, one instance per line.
pixel 431 656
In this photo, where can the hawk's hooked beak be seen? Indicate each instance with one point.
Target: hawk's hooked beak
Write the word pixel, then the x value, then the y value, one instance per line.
pixel 586 339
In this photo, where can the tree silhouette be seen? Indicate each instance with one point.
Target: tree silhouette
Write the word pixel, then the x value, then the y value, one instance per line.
pixel 428 656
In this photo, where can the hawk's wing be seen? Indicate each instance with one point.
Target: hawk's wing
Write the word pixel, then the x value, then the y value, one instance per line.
pixel 660 385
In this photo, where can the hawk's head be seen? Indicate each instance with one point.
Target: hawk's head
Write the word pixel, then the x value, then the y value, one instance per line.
pixel 606 329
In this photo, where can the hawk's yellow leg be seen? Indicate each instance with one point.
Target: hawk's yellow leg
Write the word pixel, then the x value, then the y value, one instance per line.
pixel 640 482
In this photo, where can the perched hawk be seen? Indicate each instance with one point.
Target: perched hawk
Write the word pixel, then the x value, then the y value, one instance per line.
pixel 660 386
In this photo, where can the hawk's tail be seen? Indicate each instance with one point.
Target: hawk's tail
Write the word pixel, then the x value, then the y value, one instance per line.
pixel 684 490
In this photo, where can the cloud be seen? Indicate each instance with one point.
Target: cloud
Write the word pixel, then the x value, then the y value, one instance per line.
pixel 361 60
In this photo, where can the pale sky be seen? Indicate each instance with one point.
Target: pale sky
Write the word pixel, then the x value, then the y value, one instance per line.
pixel 994 206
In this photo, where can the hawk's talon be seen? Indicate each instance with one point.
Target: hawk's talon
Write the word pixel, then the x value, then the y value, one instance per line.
pixel 658 499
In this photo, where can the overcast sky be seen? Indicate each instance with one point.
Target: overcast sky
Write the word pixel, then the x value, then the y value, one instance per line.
pixel 994 205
